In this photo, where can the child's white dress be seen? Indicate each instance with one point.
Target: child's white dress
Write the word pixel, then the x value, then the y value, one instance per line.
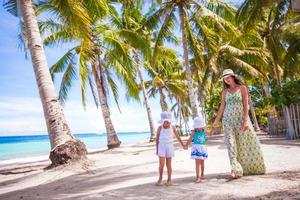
pixel 165 143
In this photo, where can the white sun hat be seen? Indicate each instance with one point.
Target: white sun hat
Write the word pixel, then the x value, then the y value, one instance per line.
pixel 226 73
pixel 165 116
pixel 199 122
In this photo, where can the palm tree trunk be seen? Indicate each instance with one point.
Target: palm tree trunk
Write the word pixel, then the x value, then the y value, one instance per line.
pixel 271 112
pixel 290 131
pixel 253 114
pixel 146 103
pixel 186 63
pixel 64 146
pixel 277 73
pixel 112 138
pixel 202 93
pixel 162 100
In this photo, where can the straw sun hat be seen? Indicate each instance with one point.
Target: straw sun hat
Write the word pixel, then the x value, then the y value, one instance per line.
pixel 226 73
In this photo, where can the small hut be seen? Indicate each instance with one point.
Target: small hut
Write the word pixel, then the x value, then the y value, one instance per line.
pixel 296 5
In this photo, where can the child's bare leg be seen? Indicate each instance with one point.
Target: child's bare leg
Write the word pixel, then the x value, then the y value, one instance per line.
pixel 160 170
pixel 169 169
pixel 202 168
pixel 197 164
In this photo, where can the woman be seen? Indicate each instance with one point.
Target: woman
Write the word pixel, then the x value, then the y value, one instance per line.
pixel 242 144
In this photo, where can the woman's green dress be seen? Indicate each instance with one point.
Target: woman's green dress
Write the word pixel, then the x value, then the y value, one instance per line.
pixel 244 149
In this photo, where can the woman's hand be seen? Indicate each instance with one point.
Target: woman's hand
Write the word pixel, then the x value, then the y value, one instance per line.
pixel 245 126
pixel 214 125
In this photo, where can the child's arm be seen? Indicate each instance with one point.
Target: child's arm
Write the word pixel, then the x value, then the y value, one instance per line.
pixel 157 138
pixel 190 139
pixel 177 136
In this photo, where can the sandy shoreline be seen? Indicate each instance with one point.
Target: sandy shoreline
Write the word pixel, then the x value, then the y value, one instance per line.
pixel 129 172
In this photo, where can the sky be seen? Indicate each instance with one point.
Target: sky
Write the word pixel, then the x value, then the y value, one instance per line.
pixel 20 107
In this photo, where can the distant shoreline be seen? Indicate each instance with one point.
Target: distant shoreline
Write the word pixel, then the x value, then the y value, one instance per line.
pixel 77 133
pixel 16 149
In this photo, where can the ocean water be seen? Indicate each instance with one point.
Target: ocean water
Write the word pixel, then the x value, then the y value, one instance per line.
pixel 14 147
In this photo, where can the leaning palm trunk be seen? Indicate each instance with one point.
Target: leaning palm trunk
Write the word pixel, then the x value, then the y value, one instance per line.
pixel 64 146
pixel 112 138
pixel 186 63
pixel 146 103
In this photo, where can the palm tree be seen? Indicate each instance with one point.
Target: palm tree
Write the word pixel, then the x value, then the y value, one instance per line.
pixel 189 13
pixel 278 28
pixel 277 25
pixel 166 77
pixel 64 146
pixel 101 51
pixel 166 12
pixel 131 19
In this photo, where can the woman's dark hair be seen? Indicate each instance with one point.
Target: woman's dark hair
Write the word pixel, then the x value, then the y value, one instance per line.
pixel 236 80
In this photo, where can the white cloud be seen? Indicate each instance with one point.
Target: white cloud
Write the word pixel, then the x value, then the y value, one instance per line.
pixel 24 115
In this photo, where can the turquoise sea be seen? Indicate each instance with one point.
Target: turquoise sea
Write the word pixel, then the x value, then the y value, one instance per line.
pixel 14 147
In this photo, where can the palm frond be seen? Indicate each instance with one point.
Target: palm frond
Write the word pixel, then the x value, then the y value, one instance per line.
pixel 96 8
pixel 240 64
pixel 62 63
pixel 66 82
pixel 219 24
pixel 165 30
pixel 11 7
pixel 195 47
pixel 72 13
pixel 93 89
pixel 115 91
pixel 83 73
pixel 250 12
pixel 222 9
pixel 57 38
pixel 135 40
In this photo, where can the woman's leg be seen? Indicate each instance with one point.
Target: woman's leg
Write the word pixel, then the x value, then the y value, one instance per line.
pixel 161 170
pixel 230 140
pixel 169 169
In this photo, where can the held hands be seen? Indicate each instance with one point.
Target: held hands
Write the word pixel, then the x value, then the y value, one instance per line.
pixel 213 128
pixel 212 131
pixel 214 125
pixel 185 146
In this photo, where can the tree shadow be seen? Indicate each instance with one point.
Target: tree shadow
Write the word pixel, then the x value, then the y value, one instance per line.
pixel 279 140
pixel 102 184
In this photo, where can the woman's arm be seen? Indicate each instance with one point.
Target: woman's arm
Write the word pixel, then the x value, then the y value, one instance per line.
pixel 177 136
pixel 245 97
pixel 220 111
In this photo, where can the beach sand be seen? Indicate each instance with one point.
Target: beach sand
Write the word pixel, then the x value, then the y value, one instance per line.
pixel 130 172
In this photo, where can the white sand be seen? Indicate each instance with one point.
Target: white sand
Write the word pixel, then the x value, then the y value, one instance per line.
pixel 130 173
